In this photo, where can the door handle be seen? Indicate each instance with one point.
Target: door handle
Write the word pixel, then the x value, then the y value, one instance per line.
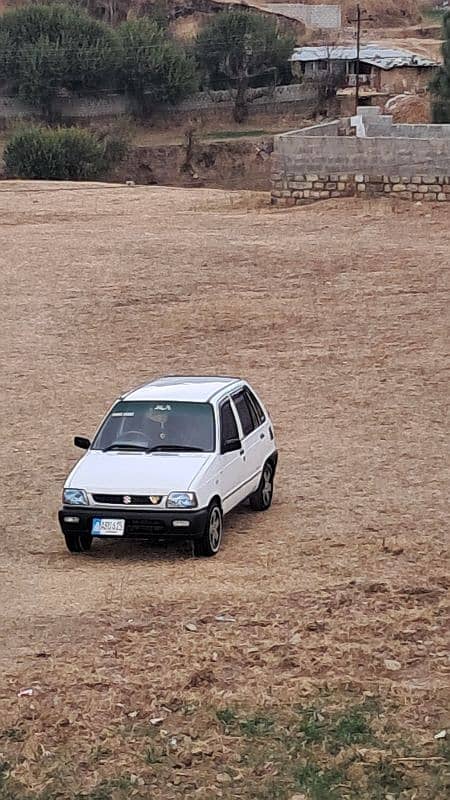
pixel 261 435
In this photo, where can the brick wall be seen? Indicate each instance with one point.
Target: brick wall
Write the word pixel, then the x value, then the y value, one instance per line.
pixel 303 188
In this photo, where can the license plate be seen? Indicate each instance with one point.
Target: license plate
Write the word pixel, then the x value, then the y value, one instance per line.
pixel 108 527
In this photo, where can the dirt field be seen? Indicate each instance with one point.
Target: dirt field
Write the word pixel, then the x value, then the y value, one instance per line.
pixel 336 599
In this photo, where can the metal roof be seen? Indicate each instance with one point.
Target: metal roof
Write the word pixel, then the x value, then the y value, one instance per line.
pixel 375 54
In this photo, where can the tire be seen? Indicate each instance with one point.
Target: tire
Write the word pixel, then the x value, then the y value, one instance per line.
pixel 261 500
pixel 78 542
pixel 209 544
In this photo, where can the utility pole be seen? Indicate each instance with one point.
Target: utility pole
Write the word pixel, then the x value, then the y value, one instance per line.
pixel 359 17
pixel 358 55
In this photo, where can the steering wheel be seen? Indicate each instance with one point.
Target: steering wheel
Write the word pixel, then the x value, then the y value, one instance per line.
pixel 139 435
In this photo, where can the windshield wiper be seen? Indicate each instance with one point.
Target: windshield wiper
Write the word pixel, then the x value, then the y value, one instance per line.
pixel 125 446
pixel 174 447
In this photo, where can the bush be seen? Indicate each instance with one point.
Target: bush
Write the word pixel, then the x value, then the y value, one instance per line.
pixel 60 154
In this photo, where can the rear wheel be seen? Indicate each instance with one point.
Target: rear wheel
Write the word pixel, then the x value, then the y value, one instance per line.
pixel 261 500
pixel 209 544
pixel 78 542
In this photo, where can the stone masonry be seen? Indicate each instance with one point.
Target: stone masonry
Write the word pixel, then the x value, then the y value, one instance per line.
pixel 291 190
pixel 365 156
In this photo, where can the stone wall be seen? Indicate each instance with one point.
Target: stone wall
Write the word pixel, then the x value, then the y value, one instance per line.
pixel 301 189
pixel 101 106
pixel 282 99
pixel 320 16
pixel 366 155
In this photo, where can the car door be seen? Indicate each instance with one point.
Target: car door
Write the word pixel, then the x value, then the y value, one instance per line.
pixel 265 441
pixel 252 439
pixel 233 467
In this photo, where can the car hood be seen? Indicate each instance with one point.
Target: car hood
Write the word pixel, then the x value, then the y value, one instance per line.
pixel 136 473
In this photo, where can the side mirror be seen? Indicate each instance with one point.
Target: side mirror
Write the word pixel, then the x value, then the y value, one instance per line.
pixel 230 445
pixel 82 442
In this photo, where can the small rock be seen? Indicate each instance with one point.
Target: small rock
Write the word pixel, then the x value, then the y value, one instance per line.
pixel 392 665
pixel 225 618
pixel 156 720
pixel 441 734
pixel 223 777
pixel 298 797
pixel 130 183
pixel 133 714
pixel 315 626
pixel 190 626
pixel 173 743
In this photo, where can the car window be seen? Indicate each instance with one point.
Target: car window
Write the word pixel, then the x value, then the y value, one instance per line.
pixel 228 426
pixel 157 424
pixel 248 420
pixel 261 417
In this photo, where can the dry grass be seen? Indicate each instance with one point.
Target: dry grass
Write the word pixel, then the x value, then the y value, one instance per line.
pixel 337 313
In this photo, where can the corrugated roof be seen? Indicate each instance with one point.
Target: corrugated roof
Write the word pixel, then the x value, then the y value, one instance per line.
pixel 377 55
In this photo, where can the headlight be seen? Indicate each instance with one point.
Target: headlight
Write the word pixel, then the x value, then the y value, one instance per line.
pixel 75 497
pixel 181 500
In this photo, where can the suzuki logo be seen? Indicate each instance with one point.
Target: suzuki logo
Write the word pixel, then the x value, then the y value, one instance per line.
pixel 127 499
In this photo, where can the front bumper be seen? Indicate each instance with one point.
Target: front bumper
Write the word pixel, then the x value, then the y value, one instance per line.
pixel 139 524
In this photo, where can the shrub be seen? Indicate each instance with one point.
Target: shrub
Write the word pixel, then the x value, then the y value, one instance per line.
pixel 60 154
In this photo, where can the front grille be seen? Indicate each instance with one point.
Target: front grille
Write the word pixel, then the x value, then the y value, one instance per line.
pixel 142 526
pixel 118 499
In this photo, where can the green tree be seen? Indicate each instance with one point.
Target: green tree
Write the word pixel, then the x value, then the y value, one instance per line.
pixel 240 46
pixel 47 48
pixel 440 85
pixel 154 68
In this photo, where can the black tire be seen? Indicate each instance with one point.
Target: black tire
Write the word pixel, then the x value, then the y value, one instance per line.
pixel 261 500
pixel 78 542
pixel 209 544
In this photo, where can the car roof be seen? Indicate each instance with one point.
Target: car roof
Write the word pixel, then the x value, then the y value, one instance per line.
pixel 191 388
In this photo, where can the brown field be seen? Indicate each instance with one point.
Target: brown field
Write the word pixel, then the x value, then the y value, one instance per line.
pixel 317 662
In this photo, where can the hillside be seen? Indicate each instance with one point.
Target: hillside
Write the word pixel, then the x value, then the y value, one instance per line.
pixel 383 12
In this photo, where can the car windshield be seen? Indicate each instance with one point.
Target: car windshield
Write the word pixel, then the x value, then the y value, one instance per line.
pixel 153 426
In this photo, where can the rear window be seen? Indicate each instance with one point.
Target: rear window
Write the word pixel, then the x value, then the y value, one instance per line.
pixel 246 415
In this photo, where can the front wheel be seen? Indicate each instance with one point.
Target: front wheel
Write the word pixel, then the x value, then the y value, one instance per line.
pixel 209 544
pixel 78 542
pixel 261 500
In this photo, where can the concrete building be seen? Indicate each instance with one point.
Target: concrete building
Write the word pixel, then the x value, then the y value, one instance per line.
pixel 382 69
pixel 322 16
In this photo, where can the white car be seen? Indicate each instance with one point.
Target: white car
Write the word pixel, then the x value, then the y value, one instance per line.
pixel 170 459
